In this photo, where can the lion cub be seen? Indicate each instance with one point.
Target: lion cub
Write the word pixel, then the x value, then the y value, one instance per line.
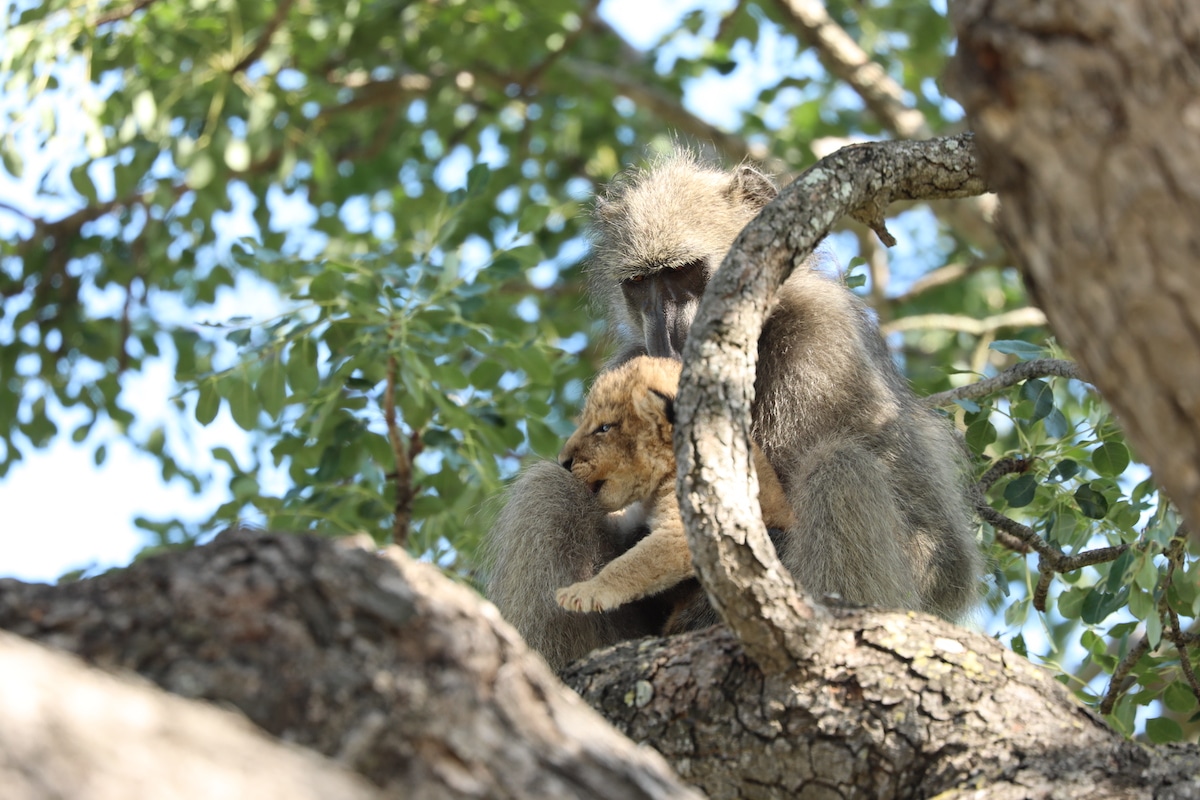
pixel 622 451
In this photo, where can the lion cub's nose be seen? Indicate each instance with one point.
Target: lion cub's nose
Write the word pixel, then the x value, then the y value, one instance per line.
pixel 566 463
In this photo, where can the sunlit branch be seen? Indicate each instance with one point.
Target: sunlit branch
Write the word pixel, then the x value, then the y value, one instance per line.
pixel 1037 368
pixel 1018 318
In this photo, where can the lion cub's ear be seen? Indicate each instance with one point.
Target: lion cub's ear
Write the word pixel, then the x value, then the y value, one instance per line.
pixel 660 403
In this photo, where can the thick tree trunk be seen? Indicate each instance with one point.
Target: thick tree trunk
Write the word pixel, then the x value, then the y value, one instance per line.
pixel 1088 118
pixel 897 705
pixel 67 731
pixel 379 662
pixel 413 682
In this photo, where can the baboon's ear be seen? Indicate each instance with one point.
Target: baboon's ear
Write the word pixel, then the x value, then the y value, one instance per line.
pixel 602 207
pixel 751 187
pixel 668 404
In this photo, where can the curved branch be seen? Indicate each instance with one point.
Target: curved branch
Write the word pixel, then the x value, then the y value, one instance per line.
pixel 736 561
pixel 1037 368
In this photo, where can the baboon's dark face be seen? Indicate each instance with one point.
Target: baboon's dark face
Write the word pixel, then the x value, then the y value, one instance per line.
pixel 664 300
pixel 659 235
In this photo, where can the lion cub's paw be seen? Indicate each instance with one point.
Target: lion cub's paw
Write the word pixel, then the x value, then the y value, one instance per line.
pixel 586 596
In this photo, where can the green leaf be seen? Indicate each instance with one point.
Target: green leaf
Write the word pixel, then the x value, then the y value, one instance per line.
pixel 1018 645
pixel 855 280
pixel 328 285
pixel 1099 604
pixel 1117 571
pixel 1064 470
pixel 1021 491
pixel 1142 605
pixel 1110 459
pixel 533 217
pixel 208 403
pixel 1147 573
pixel 1070 602
pixel 980 434
pixel 477 179
pixel 1091 502
pixel 243 404
pixel 82 183
pixel 271 389
pixel 302 372
pixel 1057 425
pixel 487 374
pixel 1041 395
pixel 1016 613
pixel 1161 730
pixel 1179 698
pixel 1015 347
pixel 1154 630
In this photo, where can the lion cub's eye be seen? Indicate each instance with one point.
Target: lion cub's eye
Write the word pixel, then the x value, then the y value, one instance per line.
pixel 605 428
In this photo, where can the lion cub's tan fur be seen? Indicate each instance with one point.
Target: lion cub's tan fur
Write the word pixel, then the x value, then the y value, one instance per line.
pixel 622 451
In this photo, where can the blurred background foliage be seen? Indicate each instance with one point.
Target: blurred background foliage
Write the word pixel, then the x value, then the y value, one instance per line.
pixel 391 194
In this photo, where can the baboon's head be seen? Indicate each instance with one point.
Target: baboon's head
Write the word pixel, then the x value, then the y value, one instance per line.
pixel 659 234
pixel 622 448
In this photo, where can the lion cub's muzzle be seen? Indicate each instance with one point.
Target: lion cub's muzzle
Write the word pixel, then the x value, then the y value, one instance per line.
pixel 566 460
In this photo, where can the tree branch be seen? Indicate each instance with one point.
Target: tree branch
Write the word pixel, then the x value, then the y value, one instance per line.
pixel 1018 318
pixel 380 662
pixel 842 56
pixel 264 40
pixel 1037 368
pixel 121 13
pixel 737 564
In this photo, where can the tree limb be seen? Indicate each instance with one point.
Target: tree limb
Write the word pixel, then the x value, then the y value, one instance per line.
pixel 1037 368
pixel 1017 318
pixel 70 731
pixel 381 662
pixel 736 562
pixel 842 56
pixel 264 39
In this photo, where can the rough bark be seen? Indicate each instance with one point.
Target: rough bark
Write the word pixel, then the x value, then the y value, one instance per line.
pixel 68 731
pixel 379 662
pixel 415 683
pixel 1088 117
pixel 898 704
pixel 734 557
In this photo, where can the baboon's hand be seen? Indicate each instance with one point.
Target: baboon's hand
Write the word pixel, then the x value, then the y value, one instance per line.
pixel 588 596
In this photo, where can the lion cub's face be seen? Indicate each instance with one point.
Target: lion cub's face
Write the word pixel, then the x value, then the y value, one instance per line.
pixel 622 448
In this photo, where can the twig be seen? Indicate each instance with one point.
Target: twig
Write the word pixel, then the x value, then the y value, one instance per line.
pixel 1121 673
pixel 588 21
pixel 402 517
pixel 1023 539
pixel 1176 635
pixel 14 210
pixel 121 13
pixel 938 277
pixel 1037 368
pixel 264 41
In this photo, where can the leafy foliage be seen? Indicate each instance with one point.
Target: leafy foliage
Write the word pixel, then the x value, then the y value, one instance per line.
pixel 389 194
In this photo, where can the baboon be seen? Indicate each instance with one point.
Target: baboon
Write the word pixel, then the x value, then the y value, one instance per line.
pixel 875 480
pixel 622 452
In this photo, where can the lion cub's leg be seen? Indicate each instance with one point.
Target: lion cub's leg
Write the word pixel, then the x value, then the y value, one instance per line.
pixel 776 510
pixel 656 563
